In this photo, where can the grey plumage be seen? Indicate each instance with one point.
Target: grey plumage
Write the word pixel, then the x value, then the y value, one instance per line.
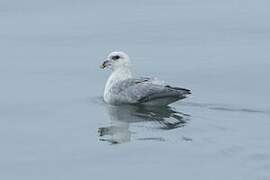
pixel 146 91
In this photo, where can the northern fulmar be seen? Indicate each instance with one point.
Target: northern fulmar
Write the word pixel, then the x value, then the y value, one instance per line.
pixel 122 88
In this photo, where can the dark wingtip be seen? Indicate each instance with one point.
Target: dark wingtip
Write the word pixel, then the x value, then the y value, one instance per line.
pixel 189 91
pixel 186 91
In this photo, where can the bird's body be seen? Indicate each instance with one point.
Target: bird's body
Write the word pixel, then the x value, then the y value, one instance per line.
pixel 122 88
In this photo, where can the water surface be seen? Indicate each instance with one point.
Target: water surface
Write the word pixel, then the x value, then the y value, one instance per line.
pixel 54 124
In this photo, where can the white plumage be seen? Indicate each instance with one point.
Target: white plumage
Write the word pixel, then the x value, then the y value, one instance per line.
pixel 122 88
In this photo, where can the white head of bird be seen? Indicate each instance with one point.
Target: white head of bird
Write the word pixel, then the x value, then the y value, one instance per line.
pixel 116 60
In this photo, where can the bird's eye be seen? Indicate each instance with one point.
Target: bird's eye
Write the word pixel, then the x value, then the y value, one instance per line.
pixel 115 57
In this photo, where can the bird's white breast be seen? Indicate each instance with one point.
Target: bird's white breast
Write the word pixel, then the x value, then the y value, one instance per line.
pixel 116 76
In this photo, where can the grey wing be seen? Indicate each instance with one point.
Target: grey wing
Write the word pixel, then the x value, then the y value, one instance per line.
pixel 122 86
pixel 146 91
pixel 125 91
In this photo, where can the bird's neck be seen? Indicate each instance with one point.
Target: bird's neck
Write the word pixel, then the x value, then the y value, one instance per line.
pixel 118 75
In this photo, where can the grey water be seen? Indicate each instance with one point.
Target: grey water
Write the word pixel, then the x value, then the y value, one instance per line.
pixel 55 125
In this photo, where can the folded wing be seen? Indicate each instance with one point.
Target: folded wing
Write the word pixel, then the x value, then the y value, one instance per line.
pixel 147 91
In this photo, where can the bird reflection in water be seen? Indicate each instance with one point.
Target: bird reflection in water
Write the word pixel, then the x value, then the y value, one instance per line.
pixel 122 117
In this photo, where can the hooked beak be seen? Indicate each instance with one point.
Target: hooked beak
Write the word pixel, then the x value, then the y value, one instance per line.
pixel 105 64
